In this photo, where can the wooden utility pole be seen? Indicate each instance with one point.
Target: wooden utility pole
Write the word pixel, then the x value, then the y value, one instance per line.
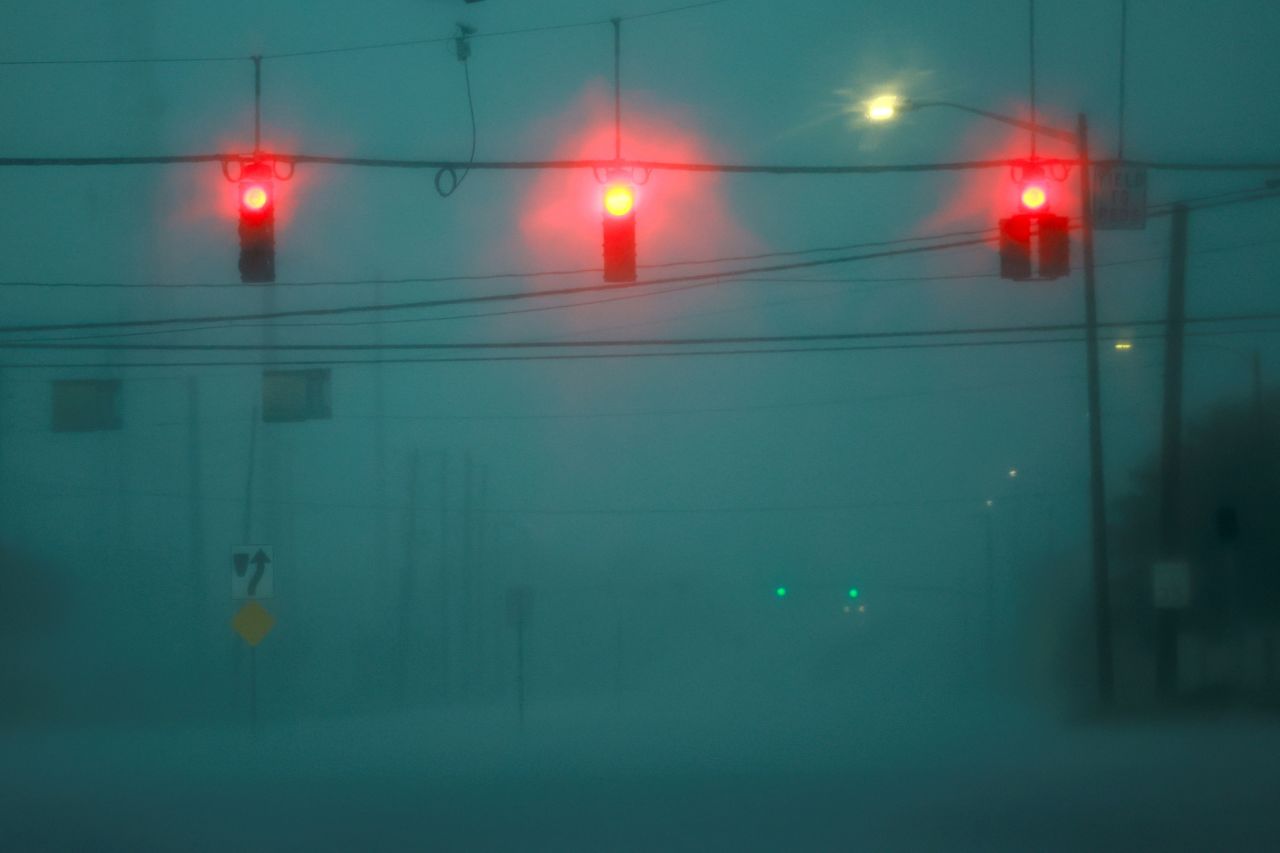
pixel 1171 450
pixel 1097 478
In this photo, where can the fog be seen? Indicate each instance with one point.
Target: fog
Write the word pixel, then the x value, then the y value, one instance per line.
pixel 392 511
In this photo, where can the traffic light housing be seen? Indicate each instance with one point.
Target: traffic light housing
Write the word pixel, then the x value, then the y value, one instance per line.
pixel 257 223
pixel 1055 246
pixel 619 232
pixel 1042 237
pixel 1015 247
pixel 1035 243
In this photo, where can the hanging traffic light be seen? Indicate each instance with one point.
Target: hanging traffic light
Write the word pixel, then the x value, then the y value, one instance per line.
pixel 1035 244
pixel 619 231
pixel 257 223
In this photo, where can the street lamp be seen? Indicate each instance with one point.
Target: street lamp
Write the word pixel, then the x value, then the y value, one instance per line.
pixel 886 110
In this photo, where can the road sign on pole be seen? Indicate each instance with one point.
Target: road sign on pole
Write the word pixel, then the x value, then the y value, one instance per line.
pixel 252 622
pixel 252 571
pixel 1119 197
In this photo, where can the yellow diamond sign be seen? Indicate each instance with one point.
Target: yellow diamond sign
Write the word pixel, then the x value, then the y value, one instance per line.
pixel 253 622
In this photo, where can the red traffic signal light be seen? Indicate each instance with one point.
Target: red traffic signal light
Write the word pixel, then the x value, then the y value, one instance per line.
pixel 1034 197
pixel 619 199
pixel 619 232
pixel 257 223
pixel 254 197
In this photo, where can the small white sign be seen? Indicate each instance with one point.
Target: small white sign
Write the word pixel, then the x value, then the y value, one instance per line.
pixel 253 571
pixel 1119 197
pixel 1171 584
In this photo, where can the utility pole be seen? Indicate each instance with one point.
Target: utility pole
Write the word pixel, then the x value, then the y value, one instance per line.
pixel 1171 450
pixel 1097 480
pixel 408 580
pixel 195 524
pixel 446 587
pixel 468 578
pixel 990 649
pixel 1258 416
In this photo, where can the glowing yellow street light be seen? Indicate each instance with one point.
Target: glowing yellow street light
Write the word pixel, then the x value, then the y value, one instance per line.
pixel 883 107
pixel 1124 345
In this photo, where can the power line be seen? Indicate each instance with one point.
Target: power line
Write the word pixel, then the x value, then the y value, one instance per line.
pixel 475 277
pixel 277 363
pixel 649 165
pixel 633 343
pixel 493 297
pixel 352 48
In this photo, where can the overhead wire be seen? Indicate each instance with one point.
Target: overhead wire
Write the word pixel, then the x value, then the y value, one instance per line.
pixel 476 277
pixel 595 356
pixel 485 298
pixel 609 343
pixel 295 54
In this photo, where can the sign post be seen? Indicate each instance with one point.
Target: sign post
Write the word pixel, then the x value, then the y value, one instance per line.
pixel 252 578
pixel 519 607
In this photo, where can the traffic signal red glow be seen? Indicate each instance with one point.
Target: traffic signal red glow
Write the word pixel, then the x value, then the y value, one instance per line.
pixel 1034 197
pixel 254 197
pixel 619 199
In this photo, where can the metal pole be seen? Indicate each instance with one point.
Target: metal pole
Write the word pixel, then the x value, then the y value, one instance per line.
pixel 1257 391
pixel 1171 452
pixel 617 88
pixel 257 104
pixel 1124 62
pixel 468 579
pixel 408 574
pixel 195 528
pixel 253 689
pixel 990 587
pixel 1031 48
pixel 446 590
pixel 1097 480
pixel 520 665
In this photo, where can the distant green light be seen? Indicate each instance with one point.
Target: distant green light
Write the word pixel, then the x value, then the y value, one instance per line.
pixel 853 593
pixel 781 592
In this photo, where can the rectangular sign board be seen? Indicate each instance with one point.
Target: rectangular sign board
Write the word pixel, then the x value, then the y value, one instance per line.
pixel 1119 197
pixel 253 571
pixel 1171 584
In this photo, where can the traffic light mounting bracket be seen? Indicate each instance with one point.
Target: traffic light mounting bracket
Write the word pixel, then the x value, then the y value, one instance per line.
pixel 631 174
pixel 243 162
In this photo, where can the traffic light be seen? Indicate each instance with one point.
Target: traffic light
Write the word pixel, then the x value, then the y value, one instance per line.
pixel 619 232
pixel 257 223
pixel 1035 244
pixel 1015 247
pixel 1055 246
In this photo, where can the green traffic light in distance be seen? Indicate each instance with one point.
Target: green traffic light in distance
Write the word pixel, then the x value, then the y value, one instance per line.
pixel 853 593
pixel 781 592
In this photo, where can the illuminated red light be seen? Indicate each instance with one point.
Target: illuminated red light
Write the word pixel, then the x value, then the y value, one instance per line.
pixel 1034 197
pixel 254 197
pixel 619 199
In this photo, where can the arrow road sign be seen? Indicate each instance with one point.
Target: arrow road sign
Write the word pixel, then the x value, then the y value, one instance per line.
pixel 252 571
